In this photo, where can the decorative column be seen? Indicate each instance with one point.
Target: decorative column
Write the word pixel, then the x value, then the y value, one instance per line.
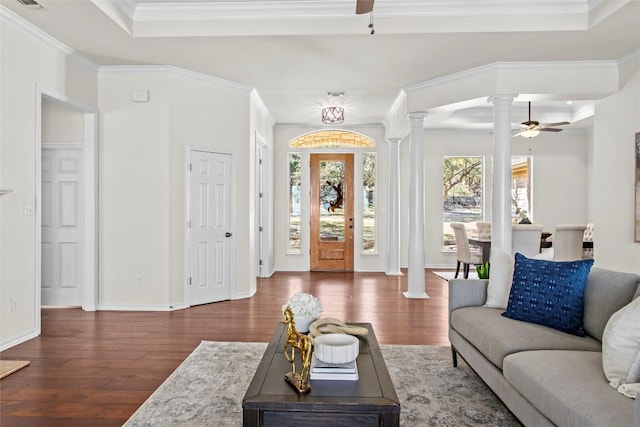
pixel 501 204
pixel 416 285
pixel 393 263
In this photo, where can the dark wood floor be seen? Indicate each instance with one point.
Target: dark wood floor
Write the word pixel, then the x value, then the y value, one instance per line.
pixel 97 368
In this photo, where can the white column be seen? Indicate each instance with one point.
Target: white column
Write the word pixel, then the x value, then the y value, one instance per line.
pixel 501 206
pixel 416 285
pixel 393 263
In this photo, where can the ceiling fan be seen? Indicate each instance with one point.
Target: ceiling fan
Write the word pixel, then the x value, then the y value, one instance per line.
pixel 364 6
pixel 532 128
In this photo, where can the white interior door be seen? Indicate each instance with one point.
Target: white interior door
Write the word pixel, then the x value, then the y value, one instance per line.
pixel 62 226
pixel 210 227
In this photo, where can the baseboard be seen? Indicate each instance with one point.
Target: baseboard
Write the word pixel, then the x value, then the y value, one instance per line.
pixel 138 307
pixel 244 295
pixel 19 340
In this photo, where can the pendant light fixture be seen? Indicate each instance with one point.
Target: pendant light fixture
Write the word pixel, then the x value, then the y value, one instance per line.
pixel 333 114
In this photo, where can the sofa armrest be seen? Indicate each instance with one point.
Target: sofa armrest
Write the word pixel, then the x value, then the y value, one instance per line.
pixel 467 293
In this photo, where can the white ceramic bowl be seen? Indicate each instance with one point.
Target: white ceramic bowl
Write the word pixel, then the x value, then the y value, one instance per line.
pixel 336 348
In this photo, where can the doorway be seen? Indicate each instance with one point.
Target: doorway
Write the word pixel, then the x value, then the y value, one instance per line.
pixel 209 227
pixel 262 203
pixel 332 211
pixel 59 118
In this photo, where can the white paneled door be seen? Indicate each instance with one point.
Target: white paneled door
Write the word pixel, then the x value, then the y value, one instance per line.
pixel 62 229
pixel 210 227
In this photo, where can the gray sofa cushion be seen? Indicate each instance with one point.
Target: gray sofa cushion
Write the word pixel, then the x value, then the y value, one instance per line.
pixel 496 336
pixel 569 388
pixel 605 293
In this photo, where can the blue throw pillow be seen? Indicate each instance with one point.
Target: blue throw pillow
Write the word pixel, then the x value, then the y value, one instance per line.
pixel 549 293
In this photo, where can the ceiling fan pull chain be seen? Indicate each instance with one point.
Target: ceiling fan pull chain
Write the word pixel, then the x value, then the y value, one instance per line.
pixel 371 22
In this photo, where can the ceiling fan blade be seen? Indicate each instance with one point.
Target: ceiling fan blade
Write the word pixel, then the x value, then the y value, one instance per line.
pixel 364 6
pixel 549 129
pixel 555 124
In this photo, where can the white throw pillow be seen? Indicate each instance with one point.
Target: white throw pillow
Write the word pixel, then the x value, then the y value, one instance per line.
pixel 621 349
pixel 500 278
pixel 546 255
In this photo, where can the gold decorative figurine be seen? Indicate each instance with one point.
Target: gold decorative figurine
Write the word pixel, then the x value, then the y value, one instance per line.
pixel 302 343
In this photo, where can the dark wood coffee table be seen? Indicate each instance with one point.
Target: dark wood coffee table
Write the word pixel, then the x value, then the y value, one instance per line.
pixel 370 401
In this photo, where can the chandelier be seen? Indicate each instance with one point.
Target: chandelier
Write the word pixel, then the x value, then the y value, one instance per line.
pixel 332 115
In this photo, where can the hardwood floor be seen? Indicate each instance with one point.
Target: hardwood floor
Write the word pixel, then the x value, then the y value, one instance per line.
pixel 97 368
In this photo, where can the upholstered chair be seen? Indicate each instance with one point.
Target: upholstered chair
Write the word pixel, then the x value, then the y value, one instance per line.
pixel 588 237
pixel 484 230
pixel 567 242
pixel 525 239
pixel 465 256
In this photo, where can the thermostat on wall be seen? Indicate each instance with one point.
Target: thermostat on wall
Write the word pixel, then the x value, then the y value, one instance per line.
pixel 140 95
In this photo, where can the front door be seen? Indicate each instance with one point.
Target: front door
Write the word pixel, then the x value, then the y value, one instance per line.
pixel 332 212
pixel 210 227
pixel 62 226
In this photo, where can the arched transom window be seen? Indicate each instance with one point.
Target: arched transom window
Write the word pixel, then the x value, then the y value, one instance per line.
pixel 332 138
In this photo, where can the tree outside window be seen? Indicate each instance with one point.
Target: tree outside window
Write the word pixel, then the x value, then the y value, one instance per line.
pixel 462 181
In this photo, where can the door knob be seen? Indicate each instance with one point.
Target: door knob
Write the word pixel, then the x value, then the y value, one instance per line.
pixel 227 234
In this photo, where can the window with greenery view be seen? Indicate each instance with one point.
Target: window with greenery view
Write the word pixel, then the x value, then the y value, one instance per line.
pixel 369 203
pixel 461 195
pixel 521 188
pixel 294 202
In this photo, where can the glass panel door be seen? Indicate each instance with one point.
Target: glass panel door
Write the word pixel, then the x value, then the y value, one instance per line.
pixel 332 212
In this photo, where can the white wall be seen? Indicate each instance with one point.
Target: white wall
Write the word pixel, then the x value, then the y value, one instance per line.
pixel 61 123
pixel 143 180
pixel 134 182
pixel 612 192
pixel 212 114
pixel 30 62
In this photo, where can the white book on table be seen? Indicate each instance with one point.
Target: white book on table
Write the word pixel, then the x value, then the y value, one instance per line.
pixel 325 371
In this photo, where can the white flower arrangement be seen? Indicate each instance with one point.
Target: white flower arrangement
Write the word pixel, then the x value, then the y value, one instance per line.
pixel 304 305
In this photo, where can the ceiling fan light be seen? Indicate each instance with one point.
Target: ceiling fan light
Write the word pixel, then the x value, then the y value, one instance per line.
pixel 332 115
pixel 530 133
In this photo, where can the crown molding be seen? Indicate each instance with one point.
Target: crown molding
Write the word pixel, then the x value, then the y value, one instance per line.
pixel 298 9
pixel 497 66
pixel 631 56
pixel 174 70
pixel 9 17
pixel 259 102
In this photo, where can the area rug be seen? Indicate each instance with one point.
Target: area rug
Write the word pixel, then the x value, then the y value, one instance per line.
pixel 208 387
pixel 8 367
pixel 450 274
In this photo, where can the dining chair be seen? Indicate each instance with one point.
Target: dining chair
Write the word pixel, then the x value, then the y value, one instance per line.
pixel 526 238
pixel 484 230
pixel 588 237
pixel 567 242
pixel 465 255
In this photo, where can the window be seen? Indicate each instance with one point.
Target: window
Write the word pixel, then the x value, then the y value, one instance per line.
pixel 294 203
pixel 520 188
pixel 332 138
pixel 369 203
pixel 461 196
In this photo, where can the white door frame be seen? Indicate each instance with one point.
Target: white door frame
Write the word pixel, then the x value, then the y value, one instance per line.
pixel 263 208
pixel 90 177
pixel 187 214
